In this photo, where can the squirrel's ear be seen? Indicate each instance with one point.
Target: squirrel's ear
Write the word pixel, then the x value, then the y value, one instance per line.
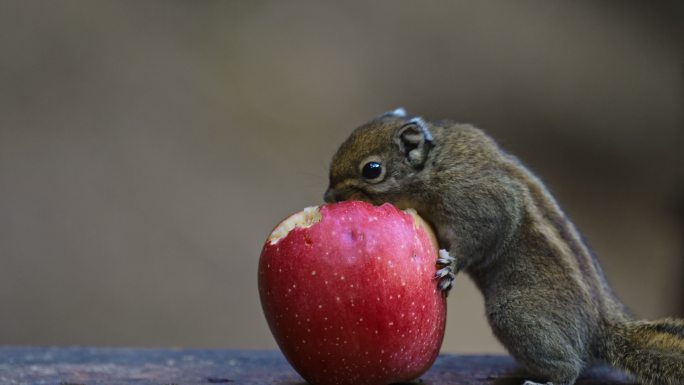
pixel 398 112
pixel 415 141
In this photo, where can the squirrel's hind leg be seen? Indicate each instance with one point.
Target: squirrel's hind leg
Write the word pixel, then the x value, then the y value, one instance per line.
pixel 540 341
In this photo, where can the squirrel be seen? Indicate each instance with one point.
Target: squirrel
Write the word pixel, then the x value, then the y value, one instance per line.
pixel 546 297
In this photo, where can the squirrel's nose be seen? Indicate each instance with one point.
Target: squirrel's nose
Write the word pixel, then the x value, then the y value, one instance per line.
pixel 329 195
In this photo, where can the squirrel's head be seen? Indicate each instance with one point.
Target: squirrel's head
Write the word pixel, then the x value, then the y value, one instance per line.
pixel 380 159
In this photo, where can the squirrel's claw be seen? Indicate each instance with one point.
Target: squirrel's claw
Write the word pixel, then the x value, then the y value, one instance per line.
pixel 443 272
pixel 444 258
pixel 447 273
pixel 446 283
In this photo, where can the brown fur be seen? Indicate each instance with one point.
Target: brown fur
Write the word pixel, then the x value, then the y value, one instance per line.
pixel 546 297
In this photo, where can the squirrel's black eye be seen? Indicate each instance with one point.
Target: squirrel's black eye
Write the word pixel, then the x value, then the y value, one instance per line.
pixel 371 170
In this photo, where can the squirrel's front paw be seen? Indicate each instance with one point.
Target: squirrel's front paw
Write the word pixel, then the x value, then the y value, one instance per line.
pixel 447 273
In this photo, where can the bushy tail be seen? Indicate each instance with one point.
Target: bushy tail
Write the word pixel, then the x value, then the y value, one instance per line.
pixel 653 351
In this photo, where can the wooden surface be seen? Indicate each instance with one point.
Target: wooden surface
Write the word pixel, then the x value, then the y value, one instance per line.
pixel 95 366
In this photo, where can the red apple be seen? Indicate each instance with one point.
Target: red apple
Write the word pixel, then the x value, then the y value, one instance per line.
pixel 349 293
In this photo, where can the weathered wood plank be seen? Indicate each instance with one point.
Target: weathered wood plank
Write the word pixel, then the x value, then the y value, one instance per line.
pixel 123 366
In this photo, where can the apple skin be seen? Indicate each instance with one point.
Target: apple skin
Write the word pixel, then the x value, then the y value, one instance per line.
pixel 352 299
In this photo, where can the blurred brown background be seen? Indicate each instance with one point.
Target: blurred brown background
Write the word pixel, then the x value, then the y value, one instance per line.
pixel 148 148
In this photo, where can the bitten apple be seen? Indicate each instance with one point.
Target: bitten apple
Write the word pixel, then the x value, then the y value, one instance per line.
pixel 349 293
